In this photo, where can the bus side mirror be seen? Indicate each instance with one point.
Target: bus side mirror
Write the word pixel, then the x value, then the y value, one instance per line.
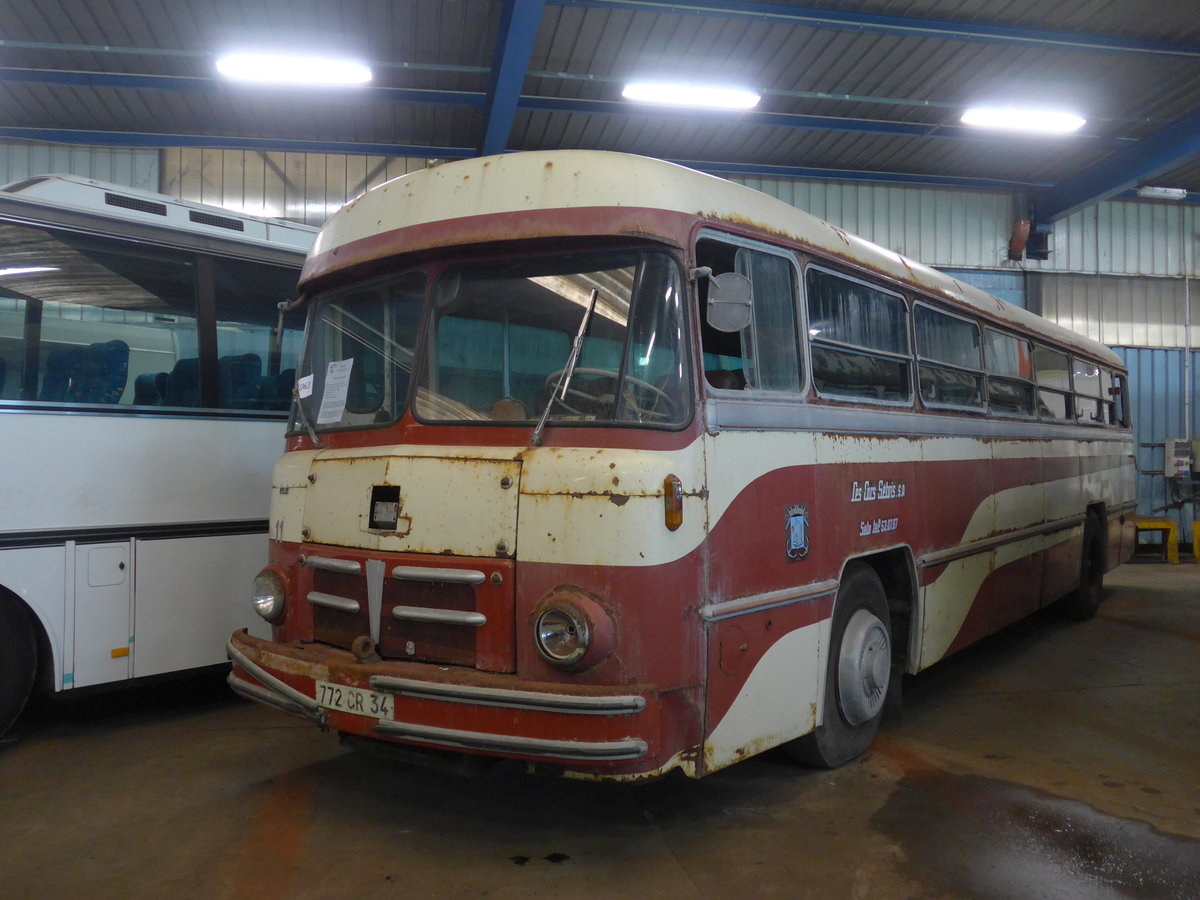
pixel 728 301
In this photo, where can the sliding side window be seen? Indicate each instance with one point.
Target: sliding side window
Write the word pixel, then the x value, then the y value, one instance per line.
pixel 765 355
pixel 859 338
pixel 1009 363
pixel 951 364
pixel 1054 383
pixel 1093 393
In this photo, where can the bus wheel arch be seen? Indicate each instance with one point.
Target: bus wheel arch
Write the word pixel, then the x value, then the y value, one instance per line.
pixel 21 649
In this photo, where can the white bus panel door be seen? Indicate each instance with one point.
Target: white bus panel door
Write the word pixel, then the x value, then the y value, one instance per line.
pixel 102 594
pixel 190 595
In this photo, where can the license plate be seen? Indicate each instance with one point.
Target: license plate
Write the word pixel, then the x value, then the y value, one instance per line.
pixel 355 700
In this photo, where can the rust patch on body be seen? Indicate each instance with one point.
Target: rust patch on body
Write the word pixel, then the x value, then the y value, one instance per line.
pixel 618 499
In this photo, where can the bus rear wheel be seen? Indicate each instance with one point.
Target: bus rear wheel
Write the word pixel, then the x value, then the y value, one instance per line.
pixel 18 660
pixel 857 673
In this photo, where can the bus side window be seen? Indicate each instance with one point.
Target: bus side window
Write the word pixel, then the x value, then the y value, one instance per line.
pixel 1053 370
pixel 766 354
pixel 859 338
pixel 94 316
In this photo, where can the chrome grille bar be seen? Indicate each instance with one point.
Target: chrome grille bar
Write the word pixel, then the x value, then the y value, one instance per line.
pixel 332 601
pixel 440 616
pixel 445 576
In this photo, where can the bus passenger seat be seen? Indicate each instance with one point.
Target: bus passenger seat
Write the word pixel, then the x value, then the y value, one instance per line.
pixel 98 373
pixel 509 409
pixel 146 391
pixel 183 384
pixel 239 380
pixel 726 379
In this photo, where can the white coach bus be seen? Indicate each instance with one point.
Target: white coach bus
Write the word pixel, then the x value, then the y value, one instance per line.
pixel 146 371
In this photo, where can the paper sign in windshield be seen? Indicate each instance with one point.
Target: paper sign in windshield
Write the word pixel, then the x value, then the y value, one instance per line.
pixel 337 387
pixel 304 386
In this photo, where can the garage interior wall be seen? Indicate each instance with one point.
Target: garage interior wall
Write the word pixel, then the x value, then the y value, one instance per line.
pixel 1122 272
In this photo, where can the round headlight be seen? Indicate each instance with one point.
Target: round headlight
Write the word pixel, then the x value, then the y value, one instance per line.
pixel 270 595
pixel 562 635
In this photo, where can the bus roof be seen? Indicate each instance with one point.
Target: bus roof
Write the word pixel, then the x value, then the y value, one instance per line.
pixel 577 179
pixel 116 201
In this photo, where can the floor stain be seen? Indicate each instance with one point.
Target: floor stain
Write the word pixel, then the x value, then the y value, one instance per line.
pixel 972 836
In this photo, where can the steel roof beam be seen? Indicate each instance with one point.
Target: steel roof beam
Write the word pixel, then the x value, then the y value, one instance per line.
pixel 519 24
pixel 843 20
pixel 1136 164
pixel 499 123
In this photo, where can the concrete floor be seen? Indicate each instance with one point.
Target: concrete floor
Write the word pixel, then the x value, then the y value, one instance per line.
pixel 1054 760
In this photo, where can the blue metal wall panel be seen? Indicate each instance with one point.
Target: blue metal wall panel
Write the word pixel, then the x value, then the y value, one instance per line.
pixel 1156 379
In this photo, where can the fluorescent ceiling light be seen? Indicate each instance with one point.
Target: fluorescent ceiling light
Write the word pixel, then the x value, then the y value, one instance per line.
pixel 1016 119
pixel 299 70
pixel 698 95
pixel 1151 192
pixel 28 270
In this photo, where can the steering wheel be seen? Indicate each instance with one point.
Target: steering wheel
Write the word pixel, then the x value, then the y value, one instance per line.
pixel 645 410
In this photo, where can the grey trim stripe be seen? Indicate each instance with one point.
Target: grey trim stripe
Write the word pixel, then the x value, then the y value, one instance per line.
pixel 585 705
pixel 962 551
pixel 630 748
pixel 713 612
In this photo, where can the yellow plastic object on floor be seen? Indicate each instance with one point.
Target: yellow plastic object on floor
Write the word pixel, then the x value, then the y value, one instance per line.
pixel 1147 523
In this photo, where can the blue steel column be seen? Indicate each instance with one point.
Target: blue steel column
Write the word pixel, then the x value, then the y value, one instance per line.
pixel 519 23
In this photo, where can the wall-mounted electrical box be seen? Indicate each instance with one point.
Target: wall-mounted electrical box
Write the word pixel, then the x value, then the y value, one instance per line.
pixel 1179 458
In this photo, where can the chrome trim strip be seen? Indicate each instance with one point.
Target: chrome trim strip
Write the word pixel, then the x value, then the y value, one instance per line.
pixel 630 748
pixel 584 705
pixel 446 576
pixel 265 696
pixel 307 704
pixel 439 616
pixel 332 601
pixel 326 564
pixel 1120 509
pixel 376 572
pixel 962 551
pixel 727 609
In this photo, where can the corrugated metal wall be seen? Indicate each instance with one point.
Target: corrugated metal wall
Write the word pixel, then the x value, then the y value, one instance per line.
pixel 305 187
pixel 1162 412
pixel 135 168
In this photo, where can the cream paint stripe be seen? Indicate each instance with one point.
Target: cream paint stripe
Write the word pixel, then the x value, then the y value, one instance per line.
pixel 948 599
pixel 571 512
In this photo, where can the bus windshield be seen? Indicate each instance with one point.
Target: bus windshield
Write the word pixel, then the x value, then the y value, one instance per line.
pixel 501 336
pixel 498 344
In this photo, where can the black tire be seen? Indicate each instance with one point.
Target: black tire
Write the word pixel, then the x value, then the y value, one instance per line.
pixel 18 660
pixel 1083 603
pixel 857 673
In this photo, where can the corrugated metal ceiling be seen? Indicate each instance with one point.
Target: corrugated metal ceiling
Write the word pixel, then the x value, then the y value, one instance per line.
pixel 868 88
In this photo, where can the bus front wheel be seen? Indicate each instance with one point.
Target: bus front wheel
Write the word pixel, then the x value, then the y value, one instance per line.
pixel 857 673
pixel 18 660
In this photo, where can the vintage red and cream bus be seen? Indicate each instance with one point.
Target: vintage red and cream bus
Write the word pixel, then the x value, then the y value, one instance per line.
pixel 615 468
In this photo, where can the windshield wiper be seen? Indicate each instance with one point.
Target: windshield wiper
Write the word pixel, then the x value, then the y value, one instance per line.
pixel 564 378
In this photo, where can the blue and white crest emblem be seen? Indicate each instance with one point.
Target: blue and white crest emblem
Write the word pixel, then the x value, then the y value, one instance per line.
pixel 797 532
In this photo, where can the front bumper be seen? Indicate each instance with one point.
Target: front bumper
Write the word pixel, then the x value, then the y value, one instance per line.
pixel 588 728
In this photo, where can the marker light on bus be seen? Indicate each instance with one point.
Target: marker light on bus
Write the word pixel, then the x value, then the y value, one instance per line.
pixel 673 500
pixel 270 595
